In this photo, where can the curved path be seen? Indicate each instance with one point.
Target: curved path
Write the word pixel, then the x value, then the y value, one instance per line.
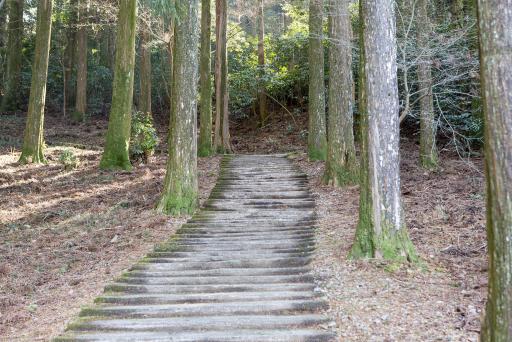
pixel 237 271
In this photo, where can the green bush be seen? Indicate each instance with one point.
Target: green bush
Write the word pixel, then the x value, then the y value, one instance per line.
pixel 69 160
pixel 144 137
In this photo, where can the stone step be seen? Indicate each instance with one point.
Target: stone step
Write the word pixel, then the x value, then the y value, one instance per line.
pixel 266 248
pixel 246 231
pixel 206 309
pixel 226 254
pixel 201 323
pixel 154 272
pixel 225 280
pixel 177 265
pixel 241 230
pixel 188 289
pixel 216 297
pixel 245 239
pixel 256 335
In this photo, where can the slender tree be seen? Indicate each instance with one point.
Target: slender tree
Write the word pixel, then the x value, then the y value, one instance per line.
pixel 116 153
pixel 81 54
pixel 262 97
pixel 205 136
pixel 69 55
pixel 317 140
pixel 145 70
pixel 495 18
pixel 11 98
pixel 381 231
pixel 341 164
pixel 33 141
pixel 222 142
pixel 180 194
pixel 428 127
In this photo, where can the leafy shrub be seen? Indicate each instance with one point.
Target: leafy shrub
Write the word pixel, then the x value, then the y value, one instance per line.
pixel 144 138
pixel 69 160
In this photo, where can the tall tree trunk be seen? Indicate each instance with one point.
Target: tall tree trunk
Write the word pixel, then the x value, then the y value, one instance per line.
pixel 495 18
pixel 11 99
pixel 262 97
pixel 116 153
pixel 3 43
pixel 69 55
pixel 341 165
pixel 381 231
pixel 205 136
pixel 428 127
pixel 33 141
pixel 180 194
pixel 170 67
pixel 222 142
pixel 145 71
pixel 317 140
pixel 81 53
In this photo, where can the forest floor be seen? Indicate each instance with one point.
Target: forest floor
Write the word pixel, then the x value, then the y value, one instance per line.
pixel 65 234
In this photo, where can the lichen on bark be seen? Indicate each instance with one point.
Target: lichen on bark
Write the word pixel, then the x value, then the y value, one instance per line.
pixel 205 82
pixel 495 18
pixel 33 141
pixel 381 230
pixel 11 98
pixel 180 193
pixel 341 167
pixel 317 140
pixel 429 157
pixel 116 153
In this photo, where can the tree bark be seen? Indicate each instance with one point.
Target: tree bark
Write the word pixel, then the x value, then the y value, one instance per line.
pixel 145 71
pixel 222 142
pixel 180 194
pixel 81 53
pixel 205 136
pixel 495 18
pixel 262 97
pixel 33 141
pixel 70 54
pixel 116 153
pixel 11 99
pixel 317 140
pixel 428 127
pixel 381 231
pixel 341 164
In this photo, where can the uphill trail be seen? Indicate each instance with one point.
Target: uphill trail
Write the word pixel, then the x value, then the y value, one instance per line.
pixel 237 271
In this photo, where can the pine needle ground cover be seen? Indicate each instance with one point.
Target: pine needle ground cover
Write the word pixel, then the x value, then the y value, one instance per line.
pixel 66 232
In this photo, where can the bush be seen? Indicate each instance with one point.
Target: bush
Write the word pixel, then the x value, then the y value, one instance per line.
pixel 144 138
pixel 68 159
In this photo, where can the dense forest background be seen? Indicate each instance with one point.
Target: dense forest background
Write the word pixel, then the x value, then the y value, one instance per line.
pixel 452 45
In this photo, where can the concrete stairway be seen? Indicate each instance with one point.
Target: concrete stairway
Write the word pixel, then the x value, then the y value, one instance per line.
pixel 237 271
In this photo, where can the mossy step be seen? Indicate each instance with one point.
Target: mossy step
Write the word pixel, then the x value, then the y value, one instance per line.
pixel 248 263
pixel 224 272
pixel 206 309
pixel 219 297
pixel 201 323
pixel 190 289
pixel 224 280
pixel 259 335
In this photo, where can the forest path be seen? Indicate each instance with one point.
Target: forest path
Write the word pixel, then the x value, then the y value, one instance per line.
pixel 237 271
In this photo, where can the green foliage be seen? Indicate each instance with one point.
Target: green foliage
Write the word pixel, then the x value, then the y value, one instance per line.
pixel 69 160
pixel 286 70
pixel 144 137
